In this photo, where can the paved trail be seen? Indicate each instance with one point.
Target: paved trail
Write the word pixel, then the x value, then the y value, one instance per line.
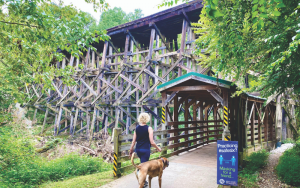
pixel 194 169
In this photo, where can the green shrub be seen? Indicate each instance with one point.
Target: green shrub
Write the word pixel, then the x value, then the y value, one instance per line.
pixel 248 180
pixel 256 161
pixel 253 163
pixel 288 168
pixel 20 166
pixel 288 140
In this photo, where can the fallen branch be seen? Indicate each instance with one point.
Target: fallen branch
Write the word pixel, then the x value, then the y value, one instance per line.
pixel 93 152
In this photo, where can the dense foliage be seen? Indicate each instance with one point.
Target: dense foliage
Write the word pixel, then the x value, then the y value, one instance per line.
pixel 31 33
pixel 114 17
pixel 288 168
pixel 253 163
pixel 256 161
pixel 170 2
pixel 260 37
pixel 21 167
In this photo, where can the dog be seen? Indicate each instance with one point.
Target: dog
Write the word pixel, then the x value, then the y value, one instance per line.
pixel 152 168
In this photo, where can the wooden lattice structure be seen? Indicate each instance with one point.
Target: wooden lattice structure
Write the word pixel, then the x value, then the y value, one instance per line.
pixel 118 81
pixel 196 110
pixel 203 100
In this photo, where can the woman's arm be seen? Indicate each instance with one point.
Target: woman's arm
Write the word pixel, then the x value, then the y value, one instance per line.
pixel 133 143
pixel 150 130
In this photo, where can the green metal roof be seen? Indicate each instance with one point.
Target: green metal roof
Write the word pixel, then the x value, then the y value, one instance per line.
pixel 195 74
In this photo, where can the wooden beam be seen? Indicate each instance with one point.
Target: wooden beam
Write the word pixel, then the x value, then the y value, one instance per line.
pixel 192 88
pixel 182 46
pixel 216 96
pixel 132 83
pixel 110 84
pixel 169 98
pixel 186 18
pixel 163 38
pixel 126 48
pixel 154 75
pixel 57 90
pixel 88 87
pixel 193 122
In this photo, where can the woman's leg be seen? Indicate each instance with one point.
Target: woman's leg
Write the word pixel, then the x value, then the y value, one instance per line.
pixel 143 154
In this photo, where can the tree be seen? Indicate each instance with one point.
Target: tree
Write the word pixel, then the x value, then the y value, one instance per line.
pixel 31 33
pixel 170 3
pixel 260 37
pixel 114 17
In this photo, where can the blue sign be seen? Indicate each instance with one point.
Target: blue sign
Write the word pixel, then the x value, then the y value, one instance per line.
pixel 227 163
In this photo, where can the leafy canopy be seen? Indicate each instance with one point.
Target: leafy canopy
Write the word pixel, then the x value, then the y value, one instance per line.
pixel 114 17
pixel 260 37
pixel 169 3
pixel 31 33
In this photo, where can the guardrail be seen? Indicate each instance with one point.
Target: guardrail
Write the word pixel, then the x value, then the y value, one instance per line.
pixel 122 145
pixel 176 141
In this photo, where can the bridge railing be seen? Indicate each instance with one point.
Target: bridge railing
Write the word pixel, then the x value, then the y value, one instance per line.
pixel 122 144
pixel 188 135
pixel 172 141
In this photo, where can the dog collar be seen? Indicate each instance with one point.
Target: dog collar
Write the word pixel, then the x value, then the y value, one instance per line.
pixel 163 163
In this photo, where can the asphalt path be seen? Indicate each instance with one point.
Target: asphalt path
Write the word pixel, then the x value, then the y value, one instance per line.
pixel 195 169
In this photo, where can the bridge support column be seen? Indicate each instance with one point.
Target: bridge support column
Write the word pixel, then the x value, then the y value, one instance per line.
pixel 164 120
pixel 226 133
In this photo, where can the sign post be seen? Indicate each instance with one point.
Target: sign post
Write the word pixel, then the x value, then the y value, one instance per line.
pixel 227 172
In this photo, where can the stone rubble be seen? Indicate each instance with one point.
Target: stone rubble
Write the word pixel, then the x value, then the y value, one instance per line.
pixel 283 148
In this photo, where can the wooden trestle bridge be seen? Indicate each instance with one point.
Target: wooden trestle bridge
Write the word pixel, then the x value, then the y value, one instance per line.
pixel 148 66
pixel 119 80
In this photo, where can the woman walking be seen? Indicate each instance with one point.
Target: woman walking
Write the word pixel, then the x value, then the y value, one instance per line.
pixel 143 137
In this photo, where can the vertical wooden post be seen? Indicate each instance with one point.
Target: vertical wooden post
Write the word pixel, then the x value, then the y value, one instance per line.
pixel 206 124
pixel 128 122
pixel 182 46
pixel 175 119
pixel 266 124
pixel 215 118
pixel 239 124
pixel 186 118
pixel 102 65
pixel 71 121
pixel 34 116
pixel 164 119
pixel 117 117
pixel 231 116
pixel 226 133
pixel 73 125
pixel 195 119
pixel 271 123
pixel 57 123
pixel 152 37
pixel 252 125
pixel 88 120
pixel 93 124
pixel 117 153
pixel 45 120
pixel 246 124
pixel 201 119
pixel 93 60
pixel 284 128
pixel 259 128
pixel 287 120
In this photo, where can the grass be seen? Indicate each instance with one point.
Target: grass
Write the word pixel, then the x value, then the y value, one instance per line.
pixel 248 177
pixel 93 180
